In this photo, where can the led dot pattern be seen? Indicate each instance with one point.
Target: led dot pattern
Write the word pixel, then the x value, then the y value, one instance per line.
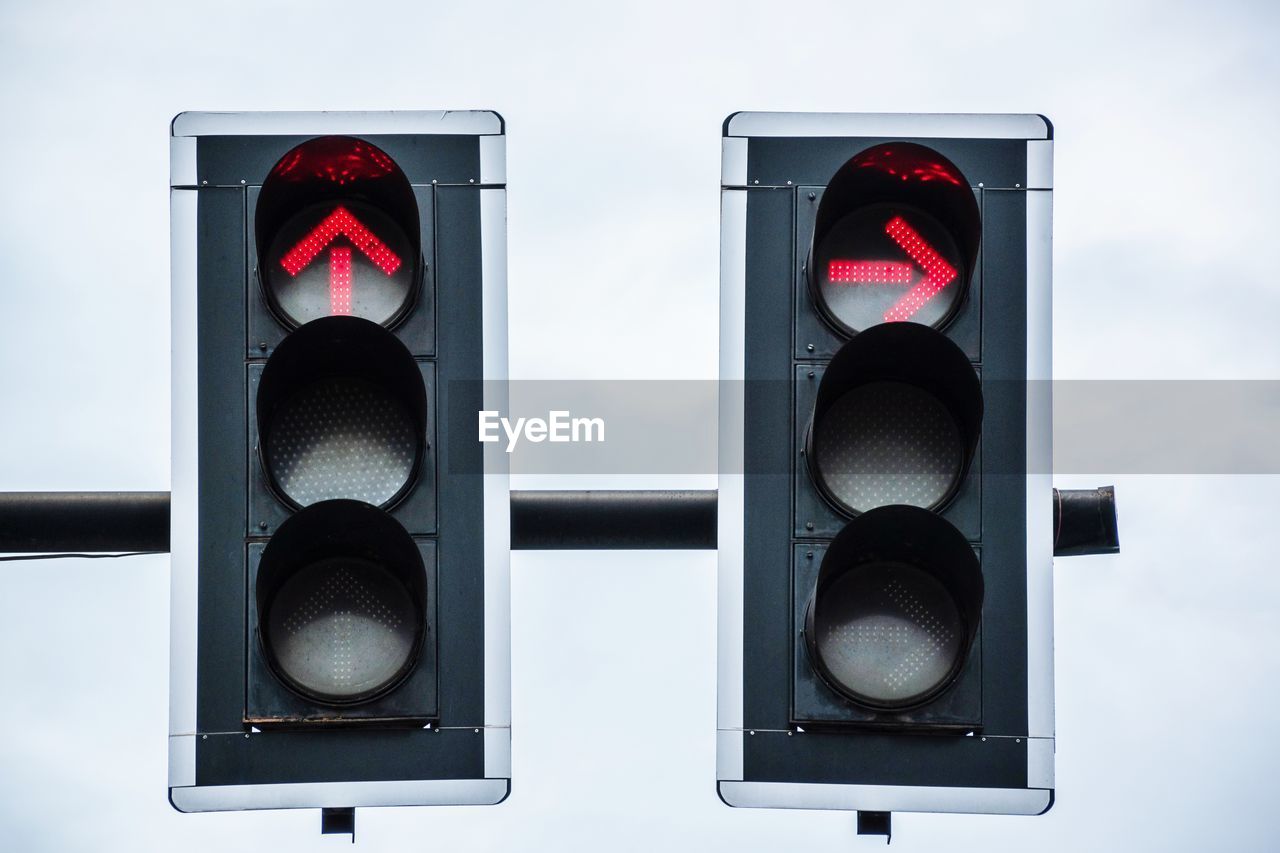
pixel 340 160
pixel 887 443
pixel 340 223
pixel 869 272
pixel 938 273
pixel 910 163
pixel 886 264
pixel 888 633
pixel 342 629
pixel 340 280
pixel 341 437
pixel 340 259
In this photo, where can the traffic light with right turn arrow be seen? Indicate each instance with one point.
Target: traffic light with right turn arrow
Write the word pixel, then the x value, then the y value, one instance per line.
pixel 885 496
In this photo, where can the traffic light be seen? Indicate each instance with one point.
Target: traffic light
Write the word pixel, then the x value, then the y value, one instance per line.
pixel 886 618
pixel 340 542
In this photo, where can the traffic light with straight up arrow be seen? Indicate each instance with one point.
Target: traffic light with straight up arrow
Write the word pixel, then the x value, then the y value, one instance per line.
pixel 340 619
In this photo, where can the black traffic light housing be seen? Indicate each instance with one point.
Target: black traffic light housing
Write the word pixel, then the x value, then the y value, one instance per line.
pixel 885 552
pixel 340 540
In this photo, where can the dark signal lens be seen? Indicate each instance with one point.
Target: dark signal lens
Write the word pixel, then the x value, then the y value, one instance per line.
pixel 342 437
pixel 889 633
pixel 896 420
pixel 886 264
pixel 342 413
pixel 888 443
pixel 341 597
pixel 342 629
pixel 895 608
pixel 340 258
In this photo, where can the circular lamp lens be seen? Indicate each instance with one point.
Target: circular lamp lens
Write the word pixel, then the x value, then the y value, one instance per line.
pixel 341 413
pixel 888 263
pixel 340 257
pixel 895 609
pixel 342 629
pixel 888 443
pixel 341 437
pixel 341 598
pixel 889 634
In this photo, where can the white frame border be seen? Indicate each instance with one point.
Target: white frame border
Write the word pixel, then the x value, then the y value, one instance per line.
pixel 932 125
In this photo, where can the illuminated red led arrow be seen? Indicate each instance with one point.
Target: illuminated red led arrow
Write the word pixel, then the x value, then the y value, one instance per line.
pixel 937 272
pixel 869 272
pixel 340 223
pixel 340 280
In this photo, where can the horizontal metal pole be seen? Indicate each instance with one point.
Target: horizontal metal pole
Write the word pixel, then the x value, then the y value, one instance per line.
pixel 1084 522
pixel 88 522
pixel 94 522
pixel 613 520
pixel 103 522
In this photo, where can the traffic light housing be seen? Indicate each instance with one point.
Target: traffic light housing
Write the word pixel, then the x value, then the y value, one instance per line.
pixel 340 540
pixel 885 599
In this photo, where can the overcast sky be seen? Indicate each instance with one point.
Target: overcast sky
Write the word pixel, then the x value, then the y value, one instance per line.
pixel 1166 207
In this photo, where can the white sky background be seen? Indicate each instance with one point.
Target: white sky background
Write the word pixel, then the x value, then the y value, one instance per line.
pixel 1165 215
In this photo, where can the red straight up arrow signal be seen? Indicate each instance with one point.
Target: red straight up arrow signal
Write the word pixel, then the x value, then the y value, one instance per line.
pixel 340 223
pixel 937 272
